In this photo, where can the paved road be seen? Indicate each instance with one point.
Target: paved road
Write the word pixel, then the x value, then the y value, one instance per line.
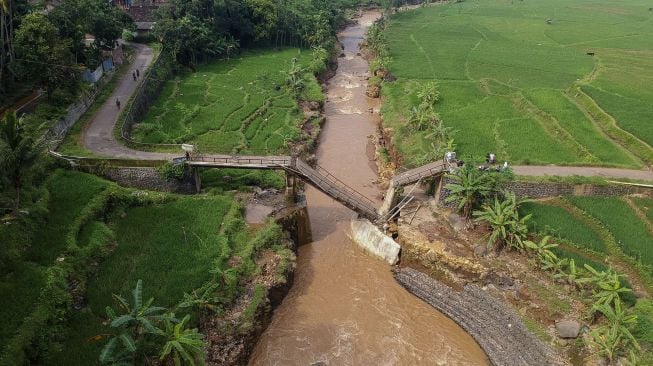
pixel 565 171
pixel 98 136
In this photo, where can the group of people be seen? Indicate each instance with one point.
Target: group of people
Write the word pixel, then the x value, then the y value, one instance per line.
pixel 490 161
pixel 135 74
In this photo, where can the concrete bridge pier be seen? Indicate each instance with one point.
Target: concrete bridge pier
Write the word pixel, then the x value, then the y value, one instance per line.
pixel 291 187
pixel 197 179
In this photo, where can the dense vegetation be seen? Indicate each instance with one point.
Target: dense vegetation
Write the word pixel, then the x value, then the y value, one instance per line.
pixel 47 50
pixel 91 239
pixel 515 78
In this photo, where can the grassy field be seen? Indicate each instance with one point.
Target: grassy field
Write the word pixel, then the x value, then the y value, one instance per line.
pixel 230 105
pixel 170 242
pixel 558 222
pixel 172 256
pixel 22 281
pixel 505 78
pixel 630 233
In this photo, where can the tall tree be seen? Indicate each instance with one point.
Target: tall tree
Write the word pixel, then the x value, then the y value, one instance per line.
pixel 43 55
pixel 20 149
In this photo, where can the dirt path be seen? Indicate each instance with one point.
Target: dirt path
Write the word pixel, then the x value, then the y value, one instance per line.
pixel 98 136
pixel 566 171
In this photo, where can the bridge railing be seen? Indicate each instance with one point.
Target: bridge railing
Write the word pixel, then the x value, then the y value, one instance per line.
pixel 281 161
pixel 414 175
pixel 336 188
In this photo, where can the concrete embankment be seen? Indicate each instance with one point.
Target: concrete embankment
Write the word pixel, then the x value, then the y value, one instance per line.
pixel 498 330
pixel 370 238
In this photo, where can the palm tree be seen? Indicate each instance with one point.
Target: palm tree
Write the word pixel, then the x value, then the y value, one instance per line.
pixel 181 343
pixel 20 148
pixel 468 188
pixel 507 227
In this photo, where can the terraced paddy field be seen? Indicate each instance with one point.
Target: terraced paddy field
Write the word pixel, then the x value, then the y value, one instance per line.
pixel 564 82
pixel 231 105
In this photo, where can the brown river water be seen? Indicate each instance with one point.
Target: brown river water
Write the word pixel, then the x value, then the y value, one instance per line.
pixel 345 308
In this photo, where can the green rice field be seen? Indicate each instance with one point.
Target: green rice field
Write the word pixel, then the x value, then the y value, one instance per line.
pixel 516 77
pixel 629 232
pixel 230 105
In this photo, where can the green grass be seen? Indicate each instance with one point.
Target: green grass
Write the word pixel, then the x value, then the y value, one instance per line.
pixel 630 233
pixel 22 280
pixel 69 194
pixel 645 205
pixel 236 105
pixel 504 74
pixel 170 246
pixel 556 221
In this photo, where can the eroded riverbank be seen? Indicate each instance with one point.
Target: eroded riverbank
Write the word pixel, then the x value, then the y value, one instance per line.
pixel 345 308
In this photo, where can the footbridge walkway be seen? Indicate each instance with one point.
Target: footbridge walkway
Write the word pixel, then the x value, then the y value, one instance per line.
pixel 318 177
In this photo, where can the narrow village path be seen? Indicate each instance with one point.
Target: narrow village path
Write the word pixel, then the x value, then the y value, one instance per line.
pixel 98 137
pixel 566 171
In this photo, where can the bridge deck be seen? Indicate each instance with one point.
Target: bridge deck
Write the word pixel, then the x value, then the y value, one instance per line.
pixel 318 177
pixel 414 175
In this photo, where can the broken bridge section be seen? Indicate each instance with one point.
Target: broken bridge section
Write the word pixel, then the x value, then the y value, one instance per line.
pixel 321 179
pixel 316 176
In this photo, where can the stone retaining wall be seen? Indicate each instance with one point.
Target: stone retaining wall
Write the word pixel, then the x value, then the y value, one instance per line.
pixel 498 329
pixel 146 178
pixel 550 189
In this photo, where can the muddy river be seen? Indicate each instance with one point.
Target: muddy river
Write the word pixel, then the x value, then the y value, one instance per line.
pixel 344 307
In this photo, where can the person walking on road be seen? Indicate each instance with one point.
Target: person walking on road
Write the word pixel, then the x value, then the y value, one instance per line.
pixel 134 75
pixel 138 74
pixel 118 103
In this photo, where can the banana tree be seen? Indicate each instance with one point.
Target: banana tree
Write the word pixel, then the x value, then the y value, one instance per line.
pixel 132 321
pixel 469 186
pixel 182 343
pixel 506 225
pixel 614 337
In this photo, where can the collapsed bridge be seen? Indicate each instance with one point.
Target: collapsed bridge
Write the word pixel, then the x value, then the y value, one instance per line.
pixel 320 178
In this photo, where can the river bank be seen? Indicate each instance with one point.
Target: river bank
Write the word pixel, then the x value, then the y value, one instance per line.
pixel 345 307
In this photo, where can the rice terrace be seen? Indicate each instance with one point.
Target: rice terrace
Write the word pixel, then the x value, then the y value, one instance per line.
pixel 563 82
pixel 341 182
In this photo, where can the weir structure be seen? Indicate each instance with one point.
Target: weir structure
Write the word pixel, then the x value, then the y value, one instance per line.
pixel 321 179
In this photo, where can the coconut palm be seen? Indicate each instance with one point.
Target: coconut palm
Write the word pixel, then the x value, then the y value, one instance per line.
pixel 182 343
pixel 20 148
